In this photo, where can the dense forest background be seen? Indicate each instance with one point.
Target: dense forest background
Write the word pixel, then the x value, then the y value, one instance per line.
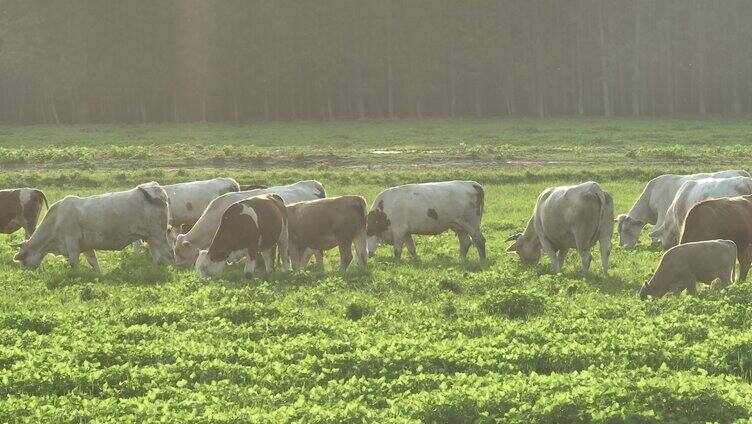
pixel 81 61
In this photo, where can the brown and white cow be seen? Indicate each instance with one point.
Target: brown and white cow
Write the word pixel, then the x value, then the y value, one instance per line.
pixel 683 266
pixel 254 225
pixel 428 209
pixel 728 218
pixel 323 224
pixel 20 207
pixel 188 245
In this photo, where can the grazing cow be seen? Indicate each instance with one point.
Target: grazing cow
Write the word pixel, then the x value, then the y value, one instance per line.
pixel 323 224
pixel 427 209
pixel 651 206
pixel 565 217
pixel 248 187
pixel 728 218
pixel 105 222
pixel 188 245
pixel 20 207
pixel 683 266
pixel 251 226
pixel 688 195
pixel 188 201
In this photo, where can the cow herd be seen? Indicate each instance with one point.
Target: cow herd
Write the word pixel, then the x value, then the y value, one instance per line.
pixel 703 221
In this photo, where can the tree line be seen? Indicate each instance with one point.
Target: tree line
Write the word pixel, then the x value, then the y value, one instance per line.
pixel 92 61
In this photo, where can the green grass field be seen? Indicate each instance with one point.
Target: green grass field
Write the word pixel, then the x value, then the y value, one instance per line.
pixel 428 340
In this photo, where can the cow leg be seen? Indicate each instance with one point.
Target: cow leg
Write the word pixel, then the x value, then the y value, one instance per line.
pixel 586 257
pixel 361 248
pixel 397 247
pixel 250 265
pixel 268 258
pixel 345 256
pixel 551 252
pixel 465 243
pixel 480 244
pixel 319 254
pixel 583 248
pixel 745 257
pixel 91 257
pixel 604 243
pixel 29 229
pixel 71 246
pixel 410 244
pixel 562 256
pixel 284 248
pixel 725 278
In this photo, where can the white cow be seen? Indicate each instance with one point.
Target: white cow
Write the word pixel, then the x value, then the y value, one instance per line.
pixel 651 206
pixel 429 208
pixel 690 193
pixel 187 246
pixel 111 221
pixel 565 217
pixel 188 201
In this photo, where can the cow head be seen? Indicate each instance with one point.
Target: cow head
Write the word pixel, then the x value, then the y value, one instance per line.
pixel 652 290
pixel 527 247
pixel 29 258
pixel 206 267
pixel 184 251
pixel 629 230
pixel 377 223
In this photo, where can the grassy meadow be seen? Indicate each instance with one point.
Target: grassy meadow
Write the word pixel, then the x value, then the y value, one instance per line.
pixel 426 340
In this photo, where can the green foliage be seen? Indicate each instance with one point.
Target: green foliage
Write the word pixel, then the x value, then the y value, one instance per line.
pixel 513 303
pixel 428 340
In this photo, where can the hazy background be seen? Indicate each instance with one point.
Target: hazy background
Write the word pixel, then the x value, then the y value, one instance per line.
pixel 81 61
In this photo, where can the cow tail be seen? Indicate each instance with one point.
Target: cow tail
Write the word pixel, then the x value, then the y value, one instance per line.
pixel 606 203
pixel 40 193
pixel 480 199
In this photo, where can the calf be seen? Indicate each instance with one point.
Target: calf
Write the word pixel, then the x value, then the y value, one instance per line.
pixel 254 225
pixel 109 221
pixel 651 206
pixel 728 218
pixel 427 209
pixel 323 224
pixel 188 245
pixel 20 207
pixel 566 217
pixel 683 266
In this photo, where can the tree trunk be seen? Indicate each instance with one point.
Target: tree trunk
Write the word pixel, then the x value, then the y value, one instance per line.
pixel 636 68
pixel 700 60
pixel 390 93
pixel 604 62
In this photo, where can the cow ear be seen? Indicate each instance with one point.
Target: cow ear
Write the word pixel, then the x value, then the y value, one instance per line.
pixel 514 237
pixel 185 243
pixel 512 247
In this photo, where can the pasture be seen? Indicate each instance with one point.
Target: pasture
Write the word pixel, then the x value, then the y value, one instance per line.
pixel 433 339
